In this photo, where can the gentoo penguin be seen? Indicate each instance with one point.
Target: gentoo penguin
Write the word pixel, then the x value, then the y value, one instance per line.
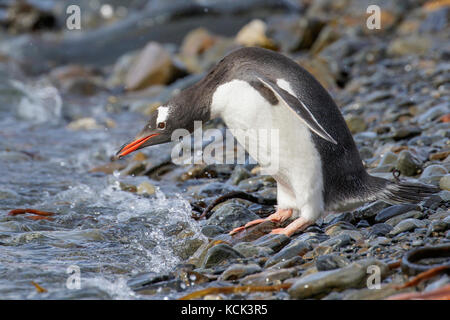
pixel 318 165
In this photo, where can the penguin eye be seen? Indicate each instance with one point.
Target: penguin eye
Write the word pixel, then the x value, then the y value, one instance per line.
pixel 161 125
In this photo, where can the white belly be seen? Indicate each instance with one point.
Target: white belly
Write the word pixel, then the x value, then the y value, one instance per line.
pixel 290 157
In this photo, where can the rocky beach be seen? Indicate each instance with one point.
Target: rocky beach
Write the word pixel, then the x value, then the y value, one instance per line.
pixel 128 227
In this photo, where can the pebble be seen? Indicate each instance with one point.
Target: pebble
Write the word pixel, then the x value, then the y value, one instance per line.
pixel 269 277
pixel 380 229
pixel 395 210
pixel 231 215
pixel 237 271
pixel 444 182
pixel 249 250
pixel 273 241
pixel 408 164
pixel 410 214
pixel 153 65
pixel 218 254
pixel 295 248
pixel 352 276
pixel 407 225
pixel 254 34
pixel 330 262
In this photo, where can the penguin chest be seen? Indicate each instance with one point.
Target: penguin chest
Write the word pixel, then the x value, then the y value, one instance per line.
pixel 275 138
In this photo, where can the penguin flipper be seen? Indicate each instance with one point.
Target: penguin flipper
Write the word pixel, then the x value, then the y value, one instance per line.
pixel 298 108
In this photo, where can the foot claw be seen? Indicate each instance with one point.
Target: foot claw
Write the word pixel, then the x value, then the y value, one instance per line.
pixel 279 231
pixel 236 230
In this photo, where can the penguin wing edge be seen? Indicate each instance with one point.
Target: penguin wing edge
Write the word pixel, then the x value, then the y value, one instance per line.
pixel 298 108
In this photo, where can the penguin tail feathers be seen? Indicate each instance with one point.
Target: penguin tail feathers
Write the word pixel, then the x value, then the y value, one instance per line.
pixel 403 191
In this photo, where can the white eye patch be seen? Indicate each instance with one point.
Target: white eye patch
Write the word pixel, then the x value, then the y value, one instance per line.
pixel 163 114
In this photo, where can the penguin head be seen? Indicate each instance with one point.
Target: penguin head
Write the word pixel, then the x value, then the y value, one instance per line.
pixel 177 113
pixel 163 121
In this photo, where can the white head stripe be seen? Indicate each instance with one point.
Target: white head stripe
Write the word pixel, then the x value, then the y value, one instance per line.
pixel 163 113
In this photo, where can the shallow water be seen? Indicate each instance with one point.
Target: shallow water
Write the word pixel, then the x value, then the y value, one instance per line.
pixel 109 234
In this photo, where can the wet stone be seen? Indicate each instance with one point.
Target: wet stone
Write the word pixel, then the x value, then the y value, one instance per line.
pixel 231 215
pixel 273 241
pixel 249 250
pixel 254 232
pixel 289 263
pixel 338 241
pixel 438 226
pixel 295 248
pixel 269 277
pixel 256 183
pixel 330 262
pixel 411 214
pixel 407 225
pixel 237 271
pixel 212 231
pixel 369 211
pixel 218 254
pixel 393 211
pixel 239 174
pixel 380 229
pixel 408 164
pixel 322 282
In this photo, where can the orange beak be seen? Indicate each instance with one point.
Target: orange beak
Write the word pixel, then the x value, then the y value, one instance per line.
pixel 133 146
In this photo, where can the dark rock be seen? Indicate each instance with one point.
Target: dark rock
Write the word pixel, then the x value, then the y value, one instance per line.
pixel 395 210
pixel 352 276
pixel 331 261
pixel 254 232
pixel 239 174
pixel 218 254
pixel 362 224
pixel 436 20
pixel 273 241
pixel 295 248
pixel 289 263
pixel 269 277
pixel 380 229
pixel 438 226
pixel 212 231
pixel 249 250
pixel 410 214
pixel 255 183
pixel 369 211
pixel 407 225
pixel 231 215
pixel 237 271
pixel 337 242
pixel 408 164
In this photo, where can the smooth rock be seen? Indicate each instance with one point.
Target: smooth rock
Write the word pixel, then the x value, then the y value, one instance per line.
pixel 273 241
pixel 237 271
pixel 249 250
pixel 231 215
pixel 407 225
pixel 253 34
pixel 212 231
pixel 295 248
pixel 444 182
pixel 322 282
pixel 269 277
pixel 218 254
pixel 394 210
pixel 410 214
pixel 330 262
pixel 152 66
pixel 408 164
pixel 380 229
